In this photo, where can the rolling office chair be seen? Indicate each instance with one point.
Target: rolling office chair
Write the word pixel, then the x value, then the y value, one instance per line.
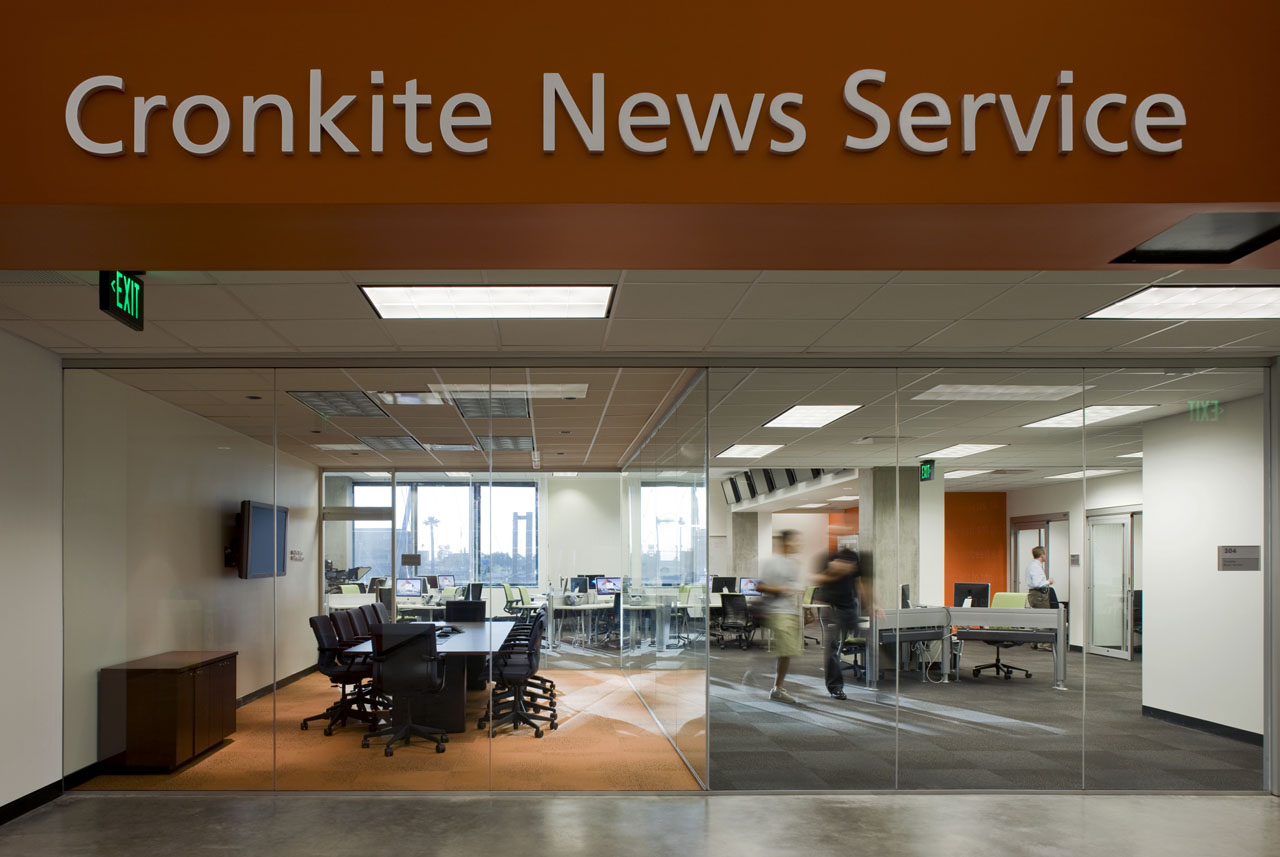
pixel 512 606
pixel 384 613
pixel 477 665
pixel 735 619
pixel 370 614
pixel 1004 599
pixel 343 673
pixel 809 593
pixel 359 623
pixel 346 628
pixel 408 669
pixel 513 701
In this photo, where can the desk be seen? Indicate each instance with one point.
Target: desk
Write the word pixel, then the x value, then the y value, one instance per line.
pixel 428 611
pixel 559 610
pixel 448 709
pixel 1014 624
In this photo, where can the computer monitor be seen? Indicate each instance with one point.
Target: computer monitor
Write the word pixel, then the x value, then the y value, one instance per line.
pixel 979 593
pixel 476 591
pixel 445 581
pixel 578 584
pixel 433 582
pixel 409 587
pixel 906 595
pixel 608 585
pixel 723 584
pixel 592 578
pixel 747 586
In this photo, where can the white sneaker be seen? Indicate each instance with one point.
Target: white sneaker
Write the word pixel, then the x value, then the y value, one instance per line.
pixel 780 695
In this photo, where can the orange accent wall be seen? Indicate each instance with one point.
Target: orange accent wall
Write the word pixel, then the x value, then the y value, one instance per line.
pixel 847 518
pixel 977 548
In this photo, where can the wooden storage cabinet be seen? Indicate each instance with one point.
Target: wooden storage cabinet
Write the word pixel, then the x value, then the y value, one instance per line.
pixel 162 711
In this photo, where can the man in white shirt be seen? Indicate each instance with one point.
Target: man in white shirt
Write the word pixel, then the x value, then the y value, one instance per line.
pixel 781 583
pixel 1038 582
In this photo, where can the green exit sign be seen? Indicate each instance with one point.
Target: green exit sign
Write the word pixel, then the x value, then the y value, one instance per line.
pixel 120 296
pixel 926 470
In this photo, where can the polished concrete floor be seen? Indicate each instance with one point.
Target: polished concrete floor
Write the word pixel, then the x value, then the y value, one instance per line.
pixel 317 825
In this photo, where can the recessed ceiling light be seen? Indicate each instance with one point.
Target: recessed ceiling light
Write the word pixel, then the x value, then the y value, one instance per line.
pixel 564 473
pixel 1197 302
pixel 457 473
pixel 749 450
pixel 339 403
pixel 1088 416
pixel 1214 238
pixel 391 443
pixel 1130 455
pixel 960 450
pixel 409 398
pixel 339 447
pixel 811 505
pixel 963 474
pixel 377 475
pixel 1084 474
pixel 499 405
pixel 1000 392
pixel 451 447
pixel 490 301
pixel 506 444
pixel 848 499
pixel 810 416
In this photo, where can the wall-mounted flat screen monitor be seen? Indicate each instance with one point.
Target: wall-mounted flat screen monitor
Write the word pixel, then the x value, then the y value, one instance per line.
pixel 731 494
pixel 409 587
pixel 608 585
pixel 257 526
pixel 723 584
pixel 445 580
pixel 753 490
pixel 747 586
pixel 977 594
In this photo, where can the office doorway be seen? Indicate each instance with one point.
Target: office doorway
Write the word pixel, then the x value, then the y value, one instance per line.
pixel 1110 583
pixel 1049 531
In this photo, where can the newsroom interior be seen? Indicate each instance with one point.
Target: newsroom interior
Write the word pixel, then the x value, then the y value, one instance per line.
pixel 625 513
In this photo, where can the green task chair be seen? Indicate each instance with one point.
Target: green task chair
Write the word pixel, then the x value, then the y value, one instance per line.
pixel 1004 599
pixel 817 614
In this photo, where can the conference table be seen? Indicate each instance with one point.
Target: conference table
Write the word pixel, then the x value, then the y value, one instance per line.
pixel 464 650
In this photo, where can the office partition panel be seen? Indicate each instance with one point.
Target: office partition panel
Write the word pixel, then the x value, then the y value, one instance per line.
pixel 1172 579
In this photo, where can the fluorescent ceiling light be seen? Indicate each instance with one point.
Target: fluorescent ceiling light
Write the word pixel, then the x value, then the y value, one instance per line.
pixel 960 450
pixel 749 450
pixel 1130 455
pixel 848 499
pixel 490 301
pixel 391 443
pixel 377 475
pixel 393 398
pixel 339 403
pixel 1089 416
pixel 564 473
pixel 963 474
pixel 1212 237
pixel 497 391
pixel 339 447
pixel 506 443
pixel 1000 393
pixel 451 447
pixel 1084 474
pixel 1197 302
pixel 811 505
pixel 457 473
pixel 810 416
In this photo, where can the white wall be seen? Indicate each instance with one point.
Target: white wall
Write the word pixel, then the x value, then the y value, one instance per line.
pixel 584 532
pixel 813 529
pixel 152 491
pixel 1202 628
pixel 933 542
pixel 31 566
pixel 1069 496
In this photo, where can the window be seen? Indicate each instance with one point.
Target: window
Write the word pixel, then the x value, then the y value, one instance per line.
pixel 672 533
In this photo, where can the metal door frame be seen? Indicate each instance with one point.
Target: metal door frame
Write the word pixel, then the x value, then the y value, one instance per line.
pixel 1125 652
pixel 1028 522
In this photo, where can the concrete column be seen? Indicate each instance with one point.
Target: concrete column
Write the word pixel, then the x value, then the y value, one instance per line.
pixel 933 535
pixel 746 550
pixel 889 530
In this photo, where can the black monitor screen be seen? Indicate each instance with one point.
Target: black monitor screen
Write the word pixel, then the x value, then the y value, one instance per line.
pixel 263 531
pixel 577 584
pixel 723 584
pixel 980 593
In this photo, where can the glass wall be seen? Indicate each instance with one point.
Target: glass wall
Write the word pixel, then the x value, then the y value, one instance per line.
pixel 871 578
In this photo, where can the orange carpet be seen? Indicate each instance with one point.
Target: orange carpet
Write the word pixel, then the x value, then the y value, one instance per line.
pixel 607 740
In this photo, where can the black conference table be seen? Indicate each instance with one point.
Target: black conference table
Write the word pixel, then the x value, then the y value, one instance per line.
pixel 448 709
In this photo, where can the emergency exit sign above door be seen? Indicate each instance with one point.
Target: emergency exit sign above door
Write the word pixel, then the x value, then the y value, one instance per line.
pixel 120 296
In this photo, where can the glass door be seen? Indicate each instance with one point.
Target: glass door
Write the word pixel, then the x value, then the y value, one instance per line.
pixel 1027 535
pixel 1110 585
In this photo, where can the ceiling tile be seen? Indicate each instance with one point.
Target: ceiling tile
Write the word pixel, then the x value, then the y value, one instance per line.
pixel 1205 334
pixel 107 333
pixel 1225 277
pixel 53 301
pixel 1062 301
pixel 297 277
pixel 224 334
pixel 877 277
pixel 862 333
pixel 304 301
pixel 803 300
pixel 443 333
pixel 40 334
pixel 660 333
pixel 652 276
pixel 319 333
pixel 1095 333
pixel 196 303
pixel 1114 276
pixel 410 278
pixel 912 301
pixel 986 334
pixel 552 333
pixel 543 277
pixel 761 333
pixel 676 300
pixel 962 276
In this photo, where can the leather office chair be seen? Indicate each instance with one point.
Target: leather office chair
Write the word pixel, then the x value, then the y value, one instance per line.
pixel 408 669
pixel 346 628
pixel 343 672
pixel 1004 599
pixel 735 619
pixel 477 665
pixel 359 623
pixel 384 613
pixel 370 615
pixel 513 701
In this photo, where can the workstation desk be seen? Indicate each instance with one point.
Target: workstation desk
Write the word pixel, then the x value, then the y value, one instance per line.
pixel 448 709
pixel 908 625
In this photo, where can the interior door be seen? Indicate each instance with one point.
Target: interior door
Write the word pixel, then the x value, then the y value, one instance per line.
pixel 1026 536
pixel 1110 586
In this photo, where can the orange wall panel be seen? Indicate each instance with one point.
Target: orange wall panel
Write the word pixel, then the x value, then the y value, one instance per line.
pixel 977 544
pixel 847 518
